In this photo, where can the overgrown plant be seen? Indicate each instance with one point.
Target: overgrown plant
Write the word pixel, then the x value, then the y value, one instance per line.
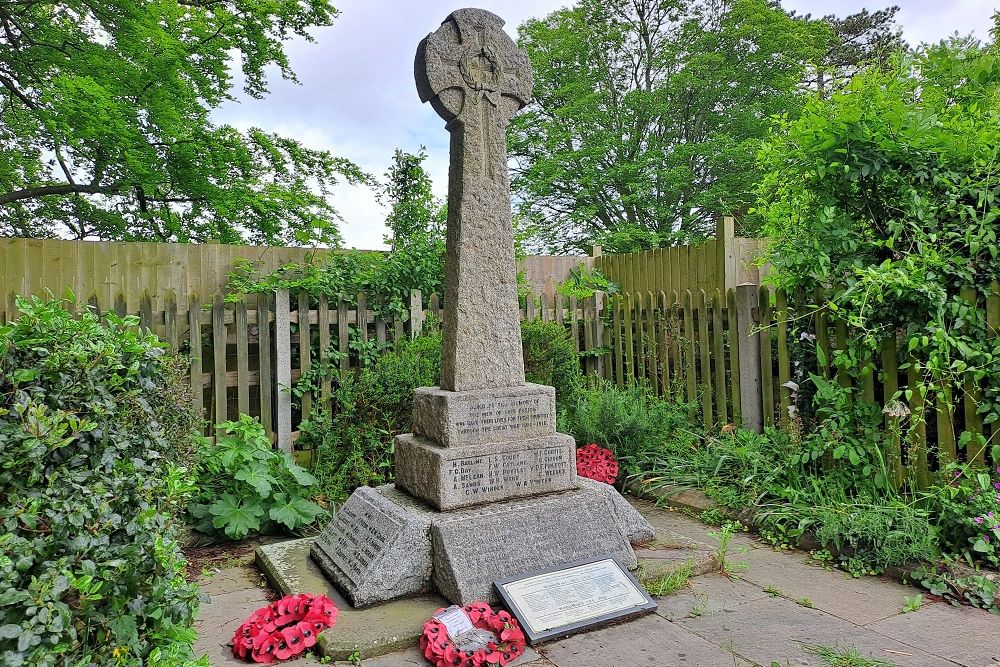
pixel 95 430
pixel 245 486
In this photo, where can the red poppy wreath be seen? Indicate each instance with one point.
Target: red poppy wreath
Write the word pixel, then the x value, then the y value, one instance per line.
pixel 284 629
pixel 441 651
pixel 596 462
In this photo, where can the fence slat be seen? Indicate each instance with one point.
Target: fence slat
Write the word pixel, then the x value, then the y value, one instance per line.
pixel 766 372
pixel 242 358
pixel 972 398
pixel 170 320
pixel 918 426
pixel 194 336
pixel 705 352
pixel 574 324
pixel 629 348
pixel 719 357
pixel 652 366
pixel 640 337
pixel 890 384
pixel 264 302
pixel 784 365
pixel 219 341
pixel 619 341
pixel 664 347
pixel 323 322
pixel 283 368
pixel 690 367
pixel 305 350
pixel 344 336
pixel 732 315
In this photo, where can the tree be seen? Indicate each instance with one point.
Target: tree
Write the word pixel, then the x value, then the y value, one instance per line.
pixel 864 38
pixel 647 115
pixel 105 127
pixel 407 191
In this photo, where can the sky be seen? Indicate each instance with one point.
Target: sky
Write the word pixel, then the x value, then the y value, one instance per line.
pixel 356 96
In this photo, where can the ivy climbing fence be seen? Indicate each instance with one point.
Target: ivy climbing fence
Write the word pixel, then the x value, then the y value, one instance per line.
pixel 736 358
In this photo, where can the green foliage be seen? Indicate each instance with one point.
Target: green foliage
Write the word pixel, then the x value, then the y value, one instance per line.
pixel 354 445
pixel 871 529
pixel 107 124
pixel 724 552
pixel 94 431
pixel 976 590
pixel 735 469
pixel 884 194
pixel 646 115
pixel 551 359
pixel 584 281
pixel 245 486
pixel 416 260
pixel 967 504
pixel 632 422
pixel 834 656
pixel 849 429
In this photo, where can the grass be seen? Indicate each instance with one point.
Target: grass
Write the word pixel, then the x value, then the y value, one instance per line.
pixel 773 591
pixel 833 656
pixel 664 581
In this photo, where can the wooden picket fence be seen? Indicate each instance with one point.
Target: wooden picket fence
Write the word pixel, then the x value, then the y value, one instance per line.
pixel 246 355
pixel 728 354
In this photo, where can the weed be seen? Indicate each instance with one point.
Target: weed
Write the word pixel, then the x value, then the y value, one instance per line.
pixel 805 602
pixel 713 516
pixel 773 591
pixel 848 657
pixel 664 581
pixel 355 657
pixel 700 605
pixel 912 602
pixel 722 553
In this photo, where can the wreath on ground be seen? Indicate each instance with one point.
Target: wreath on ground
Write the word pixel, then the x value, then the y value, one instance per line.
pixel 284 629
pixel 508 639
pixel 596 462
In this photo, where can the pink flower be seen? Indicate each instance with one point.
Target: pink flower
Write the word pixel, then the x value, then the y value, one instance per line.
pixel 978 519
pixel 986 538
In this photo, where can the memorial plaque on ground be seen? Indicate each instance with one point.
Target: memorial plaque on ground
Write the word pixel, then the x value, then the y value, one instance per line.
pixel 559 601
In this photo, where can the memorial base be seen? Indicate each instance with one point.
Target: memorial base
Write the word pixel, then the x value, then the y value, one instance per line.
pixel 382 544
pixel 449 478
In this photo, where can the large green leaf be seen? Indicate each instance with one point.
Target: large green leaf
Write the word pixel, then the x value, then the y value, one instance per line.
pixel 300 474
pixel 236 516
pixel 258 475
pixel 294 512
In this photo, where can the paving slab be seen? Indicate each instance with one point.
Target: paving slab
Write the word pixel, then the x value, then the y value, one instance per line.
pixel 372 631
pixel 966 636
pixel 412 657
pixel 650 640
pixel 670 520
pixel 858 600
pixel 234 594
pixel 707 595
pixel 777 630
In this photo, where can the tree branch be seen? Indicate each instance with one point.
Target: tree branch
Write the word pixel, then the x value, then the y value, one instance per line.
pixel 64 189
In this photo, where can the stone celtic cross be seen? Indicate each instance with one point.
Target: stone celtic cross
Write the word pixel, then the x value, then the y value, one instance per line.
pixel 476 78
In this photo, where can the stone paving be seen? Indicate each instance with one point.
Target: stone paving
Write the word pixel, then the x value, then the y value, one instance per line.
pixel 768 615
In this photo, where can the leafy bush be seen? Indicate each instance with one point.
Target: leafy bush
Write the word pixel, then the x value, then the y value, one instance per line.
pixel 354 444
pixel 94 429
pixel 967 504
pixel 550 359
pixel 883 196
pixel 632 422
pixel 245 486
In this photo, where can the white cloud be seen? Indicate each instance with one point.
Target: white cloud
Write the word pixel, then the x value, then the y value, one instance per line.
pixel 358 99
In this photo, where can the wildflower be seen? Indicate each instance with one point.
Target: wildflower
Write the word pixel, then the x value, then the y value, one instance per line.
pixel 986 538
pixel 978 519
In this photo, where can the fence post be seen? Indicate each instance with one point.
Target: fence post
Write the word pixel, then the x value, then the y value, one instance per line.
pixel 283 368
pixel 751 412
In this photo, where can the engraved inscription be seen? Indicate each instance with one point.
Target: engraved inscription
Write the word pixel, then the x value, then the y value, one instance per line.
pixel 511 417
pixel 360 532
pixel 490 474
